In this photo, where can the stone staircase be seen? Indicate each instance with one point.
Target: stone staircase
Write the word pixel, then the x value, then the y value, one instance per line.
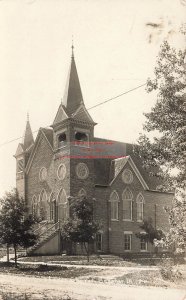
pixel 45 232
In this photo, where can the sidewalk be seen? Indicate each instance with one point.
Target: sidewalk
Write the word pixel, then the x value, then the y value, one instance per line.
pixel 61 264
pixel 64 264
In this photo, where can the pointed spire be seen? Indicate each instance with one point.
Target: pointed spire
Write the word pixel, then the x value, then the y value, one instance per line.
pixel 72 104
pixel 73 96
pixel 72 47
pixel 28 139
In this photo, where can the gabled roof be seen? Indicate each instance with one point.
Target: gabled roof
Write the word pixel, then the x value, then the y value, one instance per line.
pixel 61 115
pixel 82 114
pixel 20 150
pixel 119 166
pixel 47 134
pixel 117 149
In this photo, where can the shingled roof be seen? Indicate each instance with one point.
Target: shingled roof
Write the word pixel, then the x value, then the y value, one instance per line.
pixel 49 134
pixel 107 168
pixel 72 105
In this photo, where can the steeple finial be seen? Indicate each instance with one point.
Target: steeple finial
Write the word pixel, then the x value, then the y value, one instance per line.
pixel 28 139
pixel 72 46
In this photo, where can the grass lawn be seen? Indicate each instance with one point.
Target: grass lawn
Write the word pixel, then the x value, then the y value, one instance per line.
pixel 44 270
pixel 138 277
pixel 81 260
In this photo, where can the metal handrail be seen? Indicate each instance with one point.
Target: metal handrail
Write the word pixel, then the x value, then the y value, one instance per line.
pixel 48 229
pixel 40 227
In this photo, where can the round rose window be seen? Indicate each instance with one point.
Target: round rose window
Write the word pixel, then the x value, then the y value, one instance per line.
pixel 82 171
pixel 127 176
pixel 61 172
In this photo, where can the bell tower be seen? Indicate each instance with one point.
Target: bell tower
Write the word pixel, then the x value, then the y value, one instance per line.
pixel 72 123
pixel 73 133
pixel 22 155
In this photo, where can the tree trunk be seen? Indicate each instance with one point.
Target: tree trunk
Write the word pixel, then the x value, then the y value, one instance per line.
pixel 7 253
pixel 156 250
pixel 15 254
pixel 87 251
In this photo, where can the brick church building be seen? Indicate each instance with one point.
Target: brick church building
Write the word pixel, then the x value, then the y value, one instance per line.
pixel 66 159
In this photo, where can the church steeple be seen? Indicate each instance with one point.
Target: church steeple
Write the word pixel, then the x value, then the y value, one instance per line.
pixel 28 139
pixel 72 98
pixel 72 105
pixel 22 155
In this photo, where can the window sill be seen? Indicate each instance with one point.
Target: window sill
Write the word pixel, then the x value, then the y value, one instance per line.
pixel 127 250
pixel 144 251
pixel 128 220
pixel 139 221
pixel 114 220
pixel 81 145
pixel 61 147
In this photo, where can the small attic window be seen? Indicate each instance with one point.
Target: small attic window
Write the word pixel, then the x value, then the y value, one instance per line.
pixel 62 138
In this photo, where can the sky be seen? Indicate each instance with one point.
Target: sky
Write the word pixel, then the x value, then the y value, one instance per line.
pixel 116 46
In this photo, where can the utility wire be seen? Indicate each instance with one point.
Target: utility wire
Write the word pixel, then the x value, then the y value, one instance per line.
pixel 113 98
pixel 99 104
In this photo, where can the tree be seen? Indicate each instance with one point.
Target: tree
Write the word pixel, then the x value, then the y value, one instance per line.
pixel 167 150
pixel 176 236
pixel 150 232
pixel 168 118
pixel 80 228
pixel 16 225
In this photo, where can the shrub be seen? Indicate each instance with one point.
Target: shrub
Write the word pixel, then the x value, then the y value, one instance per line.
pixel 169 271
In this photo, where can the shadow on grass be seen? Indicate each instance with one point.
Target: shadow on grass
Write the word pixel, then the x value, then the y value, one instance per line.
pixel 44 270
pixel 26 296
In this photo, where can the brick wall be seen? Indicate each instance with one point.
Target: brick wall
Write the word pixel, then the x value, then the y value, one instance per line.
pixel 112 231
pixel 42 158
pixel 117 228
pixel 101 215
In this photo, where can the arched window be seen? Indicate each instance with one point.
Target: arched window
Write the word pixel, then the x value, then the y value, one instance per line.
pixel 43 204
pixel 81 138
pixel 34 206
pixel 52 207
pixel 43 174
pixel 82 193
pixel 61 171
pixel 63 207
pixel 114 199
pixel 127 198
pixel 62 138
pixel 140 207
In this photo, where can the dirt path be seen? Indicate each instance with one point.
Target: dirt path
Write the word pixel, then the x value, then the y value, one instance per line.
pixel 80 290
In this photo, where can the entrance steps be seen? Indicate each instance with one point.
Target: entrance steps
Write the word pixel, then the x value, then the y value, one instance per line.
pixel 45 232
